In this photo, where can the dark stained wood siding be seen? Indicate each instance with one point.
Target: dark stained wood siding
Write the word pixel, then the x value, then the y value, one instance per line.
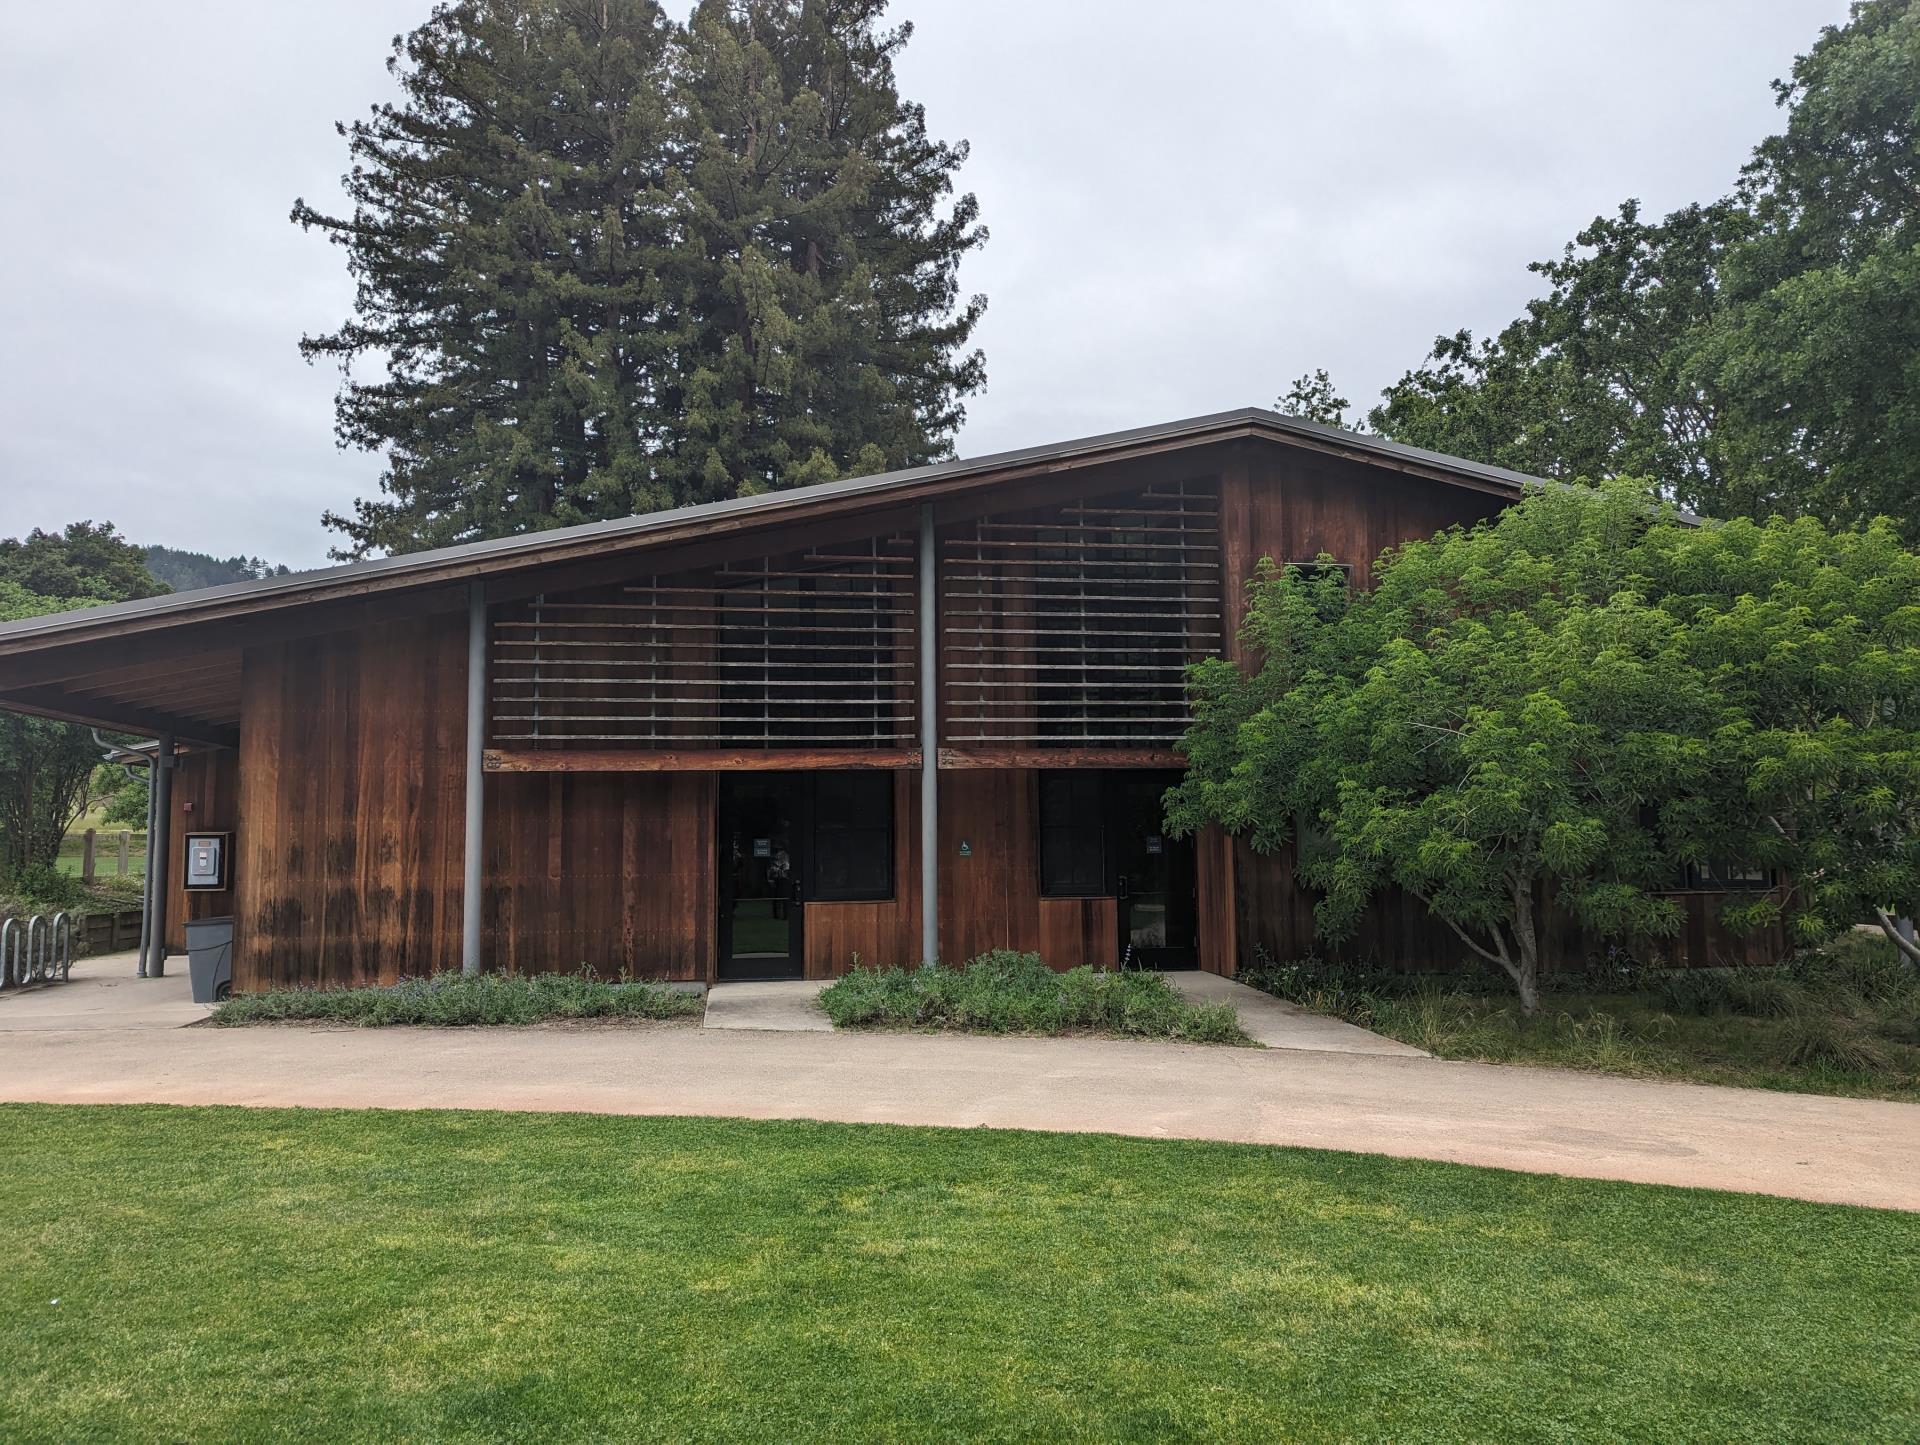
pixel 349 848
pixel 611 872
pixel 348 813
pixel 991 899
pixel 206 799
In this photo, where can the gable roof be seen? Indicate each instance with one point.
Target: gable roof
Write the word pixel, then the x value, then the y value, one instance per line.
pixel 469 560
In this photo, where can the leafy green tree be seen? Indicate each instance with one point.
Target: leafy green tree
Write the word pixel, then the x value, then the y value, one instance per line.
pixel 1811 637
pixel 1592 381
pixel 46 768
pixel 608 264
pixel 1498 719
pixel 1757 355
pixel 1574 700
pixel 1314 398
pixel 1816 344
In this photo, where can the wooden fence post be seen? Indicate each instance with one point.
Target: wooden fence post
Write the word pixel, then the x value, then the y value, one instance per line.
pixel 125 838
pixel 86 856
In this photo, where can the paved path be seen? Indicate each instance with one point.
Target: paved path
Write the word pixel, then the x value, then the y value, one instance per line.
pixel 781 1005
pixel 1280 1025
pixel 1543 1120
pixel 104 993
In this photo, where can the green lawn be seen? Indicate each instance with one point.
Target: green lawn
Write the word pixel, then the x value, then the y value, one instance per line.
pixel 240 1274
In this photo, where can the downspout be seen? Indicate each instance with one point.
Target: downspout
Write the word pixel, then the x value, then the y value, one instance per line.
pixel 929 695
pixel 159 855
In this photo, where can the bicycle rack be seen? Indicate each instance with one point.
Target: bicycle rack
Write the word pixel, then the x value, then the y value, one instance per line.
pixel 40 951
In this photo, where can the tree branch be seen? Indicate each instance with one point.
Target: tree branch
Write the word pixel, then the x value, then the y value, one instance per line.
pixel 1906 945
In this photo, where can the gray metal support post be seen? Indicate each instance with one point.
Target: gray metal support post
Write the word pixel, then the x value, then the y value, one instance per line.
pixel 929 694
pixel 159 854
pixel 475 876
pixel 146 873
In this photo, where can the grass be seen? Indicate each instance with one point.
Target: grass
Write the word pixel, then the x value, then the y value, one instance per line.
pixel 252 1274
pixel 1844 1021
pixel 106 848
pixel 452 1000
pixel 1006 993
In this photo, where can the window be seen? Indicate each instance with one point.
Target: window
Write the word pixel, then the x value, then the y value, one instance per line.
pixel 1724 877
pixel 852 836
pixel 1328 604
pixel 1073 835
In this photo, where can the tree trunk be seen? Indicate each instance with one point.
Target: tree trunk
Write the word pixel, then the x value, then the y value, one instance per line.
pixel 1526 937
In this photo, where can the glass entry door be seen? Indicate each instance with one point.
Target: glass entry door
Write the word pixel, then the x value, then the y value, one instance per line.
pixel 1159 921
pixel 762 829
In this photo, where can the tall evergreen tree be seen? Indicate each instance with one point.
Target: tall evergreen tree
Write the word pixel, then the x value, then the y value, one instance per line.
pixel 825 323
pixel 607 264
pixel 509 219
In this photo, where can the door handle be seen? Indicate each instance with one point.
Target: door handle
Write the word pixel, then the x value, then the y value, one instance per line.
pixel 1123 891
pixel 796 894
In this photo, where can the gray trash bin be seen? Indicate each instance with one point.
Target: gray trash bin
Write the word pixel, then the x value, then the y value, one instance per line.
pixel 210 958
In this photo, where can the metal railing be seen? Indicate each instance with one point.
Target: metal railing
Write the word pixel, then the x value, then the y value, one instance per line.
pixel 36 950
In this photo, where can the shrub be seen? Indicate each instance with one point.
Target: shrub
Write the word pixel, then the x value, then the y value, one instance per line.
pixel 40 889
pixel 452 1000
pixel 1008 992
pixel 1863 966
pixel 1832 1040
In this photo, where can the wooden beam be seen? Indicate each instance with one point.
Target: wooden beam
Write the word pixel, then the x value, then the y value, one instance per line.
pixel 952 758
pixel 67 707
pixel 699 760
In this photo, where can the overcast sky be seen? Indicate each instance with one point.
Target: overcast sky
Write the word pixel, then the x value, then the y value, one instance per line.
pixel 1191 204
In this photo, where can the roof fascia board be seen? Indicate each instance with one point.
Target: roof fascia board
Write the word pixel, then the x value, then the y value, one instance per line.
pixel 725 518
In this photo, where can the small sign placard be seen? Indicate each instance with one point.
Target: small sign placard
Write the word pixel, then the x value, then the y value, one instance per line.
pixel 763 847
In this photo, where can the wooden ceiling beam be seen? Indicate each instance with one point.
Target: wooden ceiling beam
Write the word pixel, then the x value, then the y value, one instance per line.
pixel 66 707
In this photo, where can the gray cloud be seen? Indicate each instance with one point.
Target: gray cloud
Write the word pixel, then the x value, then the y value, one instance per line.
pixel 1190 206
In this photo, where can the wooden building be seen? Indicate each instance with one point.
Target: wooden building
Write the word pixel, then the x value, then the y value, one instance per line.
pixel 925 713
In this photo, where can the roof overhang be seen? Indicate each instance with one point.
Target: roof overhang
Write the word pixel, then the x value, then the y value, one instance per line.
pixel 98 665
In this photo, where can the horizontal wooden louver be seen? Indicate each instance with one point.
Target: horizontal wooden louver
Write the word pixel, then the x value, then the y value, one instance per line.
pixel 812 649
pixel 1073 626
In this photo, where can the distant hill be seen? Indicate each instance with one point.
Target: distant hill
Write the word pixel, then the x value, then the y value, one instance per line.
pixel 184 571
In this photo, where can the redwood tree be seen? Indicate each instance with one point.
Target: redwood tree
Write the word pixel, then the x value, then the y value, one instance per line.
pixel 606 263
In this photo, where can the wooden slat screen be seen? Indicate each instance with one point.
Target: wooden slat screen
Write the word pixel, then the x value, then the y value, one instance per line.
pixel 808 649
pixel 1073 626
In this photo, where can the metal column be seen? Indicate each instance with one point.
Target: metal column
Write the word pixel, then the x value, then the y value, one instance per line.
pixel 146 873
pixel 929 695
pixel 474 880
pixel 159 854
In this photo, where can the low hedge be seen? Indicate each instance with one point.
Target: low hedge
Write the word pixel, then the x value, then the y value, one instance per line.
pixel 453 1000
pixel 1005 992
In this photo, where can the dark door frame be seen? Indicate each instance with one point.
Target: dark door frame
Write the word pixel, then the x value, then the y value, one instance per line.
pixel 1182 949
pixel 798 803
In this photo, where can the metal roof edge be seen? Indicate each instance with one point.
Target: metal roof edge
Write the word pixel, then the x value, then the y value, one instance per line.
pixel 442 564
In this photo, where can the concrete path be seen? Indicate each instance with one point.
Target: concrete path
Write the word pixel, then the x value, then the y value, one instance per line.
pixel 104 993
pixel 776 1006
pixel 1548 1121
pixel 1280 1025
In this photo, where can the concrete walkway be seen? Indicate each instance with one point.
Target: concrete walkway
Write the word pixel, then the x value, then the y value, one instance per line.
pixel 104 993
pixel 776 1006
pixel 1280 1025
pixel 1548 1121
